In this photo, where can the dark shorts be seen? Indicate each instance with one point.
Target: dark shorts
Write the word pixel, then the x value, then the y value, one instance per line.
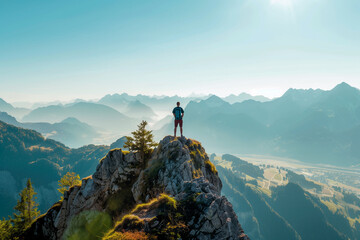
pixel 178 122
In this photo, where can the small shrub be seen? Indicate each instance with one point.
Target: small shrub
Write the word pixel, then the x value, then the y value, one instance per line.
pixel 209 165
pixel 164 201
pixel 131 222
pixel 69 180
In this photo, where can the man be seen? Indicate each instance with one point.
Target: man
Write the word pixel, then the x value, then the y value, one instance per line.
pixel 178 113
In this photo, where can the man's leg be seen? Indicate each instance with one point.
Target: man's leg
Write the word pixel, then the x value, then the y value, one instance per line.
pixel 181 124
pixel 175 123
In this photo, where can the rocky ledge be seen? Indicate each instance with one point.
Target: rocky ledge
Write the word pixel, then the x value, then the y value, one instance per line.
pixel 174 195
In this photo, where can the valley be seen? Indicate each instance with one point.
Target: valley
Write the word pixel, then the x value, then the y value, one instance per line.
pixel 293 190
pixel 347 178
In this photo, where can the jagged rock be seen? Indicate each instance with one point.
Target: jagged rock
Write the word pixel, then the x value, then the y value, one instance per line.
pixel 179 187
pixel 175 162
pixel 114 173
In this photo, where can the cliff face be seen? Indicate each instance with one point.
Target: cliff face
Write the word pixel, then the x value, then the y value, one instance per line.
pixel 174 195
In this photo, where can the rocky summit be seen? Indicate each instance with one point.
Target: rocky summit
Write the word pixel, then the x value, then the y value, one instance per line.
pixel 176 194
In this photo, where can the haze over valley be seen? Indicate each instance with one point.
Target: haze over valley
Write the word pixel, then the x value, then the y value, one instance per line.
pixel 312 132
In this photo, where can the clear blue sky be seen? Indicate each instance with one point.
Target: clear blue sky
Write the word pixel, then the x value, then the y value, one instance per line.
pixel 85 49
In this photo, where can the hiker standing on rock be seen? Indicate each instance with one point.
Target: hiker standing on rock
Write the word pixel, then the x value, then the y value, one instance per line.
pixel 178 113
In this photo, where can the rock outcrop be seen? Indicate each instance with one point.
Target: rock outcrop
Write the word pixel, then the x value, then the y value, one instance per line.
pixel 175 195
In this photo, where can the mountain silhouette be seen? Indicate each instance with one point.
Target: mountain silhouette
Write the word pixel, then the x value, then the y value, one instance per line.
pixel 309 125
pixel 70 131
pixel 97 115
pixel 232 98
pixel 136 109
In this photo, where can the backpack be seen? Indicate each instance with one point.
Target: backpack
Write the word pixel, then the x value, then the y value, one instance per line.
pixel 178 113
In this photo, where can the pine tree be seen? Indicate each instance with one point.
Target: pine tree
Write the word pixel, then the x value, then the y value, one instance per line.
pixel 141 141
pixel 68 180
pixel 6 229
pixel 26 207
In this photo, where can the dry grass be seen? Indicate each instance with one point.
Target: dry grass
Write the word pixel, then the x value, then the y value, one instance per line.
pixel 154 203
pixel 129 235
pixel 37 147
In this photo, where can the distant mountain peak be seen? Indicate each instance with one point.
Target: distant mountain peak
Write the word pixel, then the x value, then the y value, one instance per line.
pixel 244 94
pixel 136 103
pixel 296 90
pixel 119 143
pixel 214 101
pixel 344 87
pixel 71 120
pixel 303 97
pixel 344 84
pixel 232 98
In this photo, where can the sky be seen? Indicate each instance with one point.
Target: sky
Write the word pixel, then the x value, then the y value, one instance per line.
pixel 62 50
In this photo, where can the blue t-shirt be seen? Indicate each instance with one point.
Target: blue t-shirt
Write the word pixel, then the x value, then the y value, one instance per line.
pixel 178 112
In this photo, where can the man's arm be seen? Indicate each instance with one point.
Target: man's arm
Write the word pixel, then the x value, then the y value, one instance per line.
pixel 182 111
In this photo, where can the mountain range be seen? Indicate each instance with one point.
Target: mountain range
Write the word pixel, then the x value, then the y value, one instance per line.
pixel 164 103
pixel 310 125
pixel 138 110
pixel 111 116
pixel 97 115
pixel 159 104
pixel 284 212
pixel 314 125
pixel 232 98
pixel 70 131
